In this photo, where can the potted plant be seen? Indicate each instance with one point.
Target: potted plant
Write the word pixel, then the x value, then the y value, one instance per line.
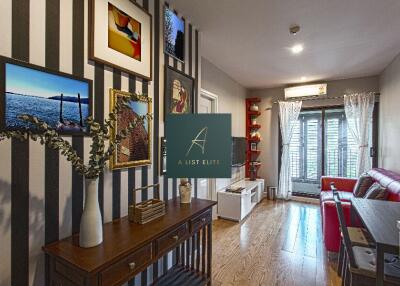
pixel 91 228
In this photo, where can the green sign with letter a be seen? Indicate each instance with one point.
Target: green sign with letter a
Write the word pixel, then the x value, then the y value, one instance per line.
pixel 199 145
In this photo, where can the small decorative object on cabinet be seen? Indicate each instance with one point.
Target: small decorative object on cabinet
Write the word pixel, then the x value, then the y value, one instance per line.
pixel 147 210
pixel 91 227
pixel 185 191
pixel 253 137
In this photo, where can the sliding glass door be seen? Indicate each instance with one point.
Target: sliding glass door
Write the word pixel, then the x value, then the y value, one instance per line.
pixel 321 145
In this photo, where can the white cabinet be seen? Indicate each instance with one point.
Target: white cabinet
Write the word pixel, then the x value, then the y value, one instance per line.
pixel 235 206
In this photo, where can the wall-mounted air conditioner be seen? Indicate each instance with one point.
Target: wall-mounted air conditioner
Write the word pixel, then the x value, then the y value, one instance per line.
pixel 305 90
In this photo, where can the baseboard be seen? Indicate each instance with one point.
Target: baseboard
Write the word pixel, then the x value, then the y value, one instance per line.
pixel 305 200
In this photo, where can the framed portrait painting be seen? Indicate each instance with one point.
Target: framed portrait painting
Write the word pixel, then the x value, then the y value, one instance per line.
pixel 121 36
pixel 179 92
pixel 135 150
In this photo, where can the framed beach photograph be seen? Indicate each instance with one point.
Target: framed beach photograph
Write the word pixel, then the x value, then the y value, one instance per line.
pixel 136 148
pixel 174 34
pixel 63 101
pixel 121 36
pixel 179 92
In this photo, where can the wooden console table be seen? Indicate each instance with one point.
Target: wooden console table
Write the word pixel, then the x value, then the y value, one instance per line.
pixel 129 248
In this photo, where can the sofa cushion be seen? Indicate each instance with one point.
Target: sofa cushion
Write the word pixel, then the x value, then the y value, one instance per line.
pixel 389 180
pixel 376 192
pixel 363 183
pixel 328 196
pixel 394 191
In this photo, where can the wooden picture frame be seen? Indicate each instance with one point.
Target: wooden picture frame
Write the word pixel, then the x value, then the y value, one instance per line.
pixel 127 48
pixel 41 86
pixel 135 150
pixel 178 85
pixel 163 156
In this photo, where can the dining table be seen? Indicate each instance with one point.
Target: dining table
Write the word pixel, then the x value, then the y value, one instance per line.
pixel 382 220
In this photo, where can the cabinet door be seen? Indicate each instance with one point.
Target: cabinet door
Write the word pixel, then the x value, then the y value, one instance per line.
pixel 246 204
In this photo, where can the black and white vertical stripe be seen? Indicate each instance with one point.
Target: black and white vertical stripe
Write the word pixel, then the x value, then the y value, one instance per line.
pixel 41 195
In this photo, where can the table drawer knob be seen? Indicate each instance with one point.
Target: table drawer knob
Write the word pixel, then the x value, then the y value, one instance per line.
pixel 175 237
pixel 132 265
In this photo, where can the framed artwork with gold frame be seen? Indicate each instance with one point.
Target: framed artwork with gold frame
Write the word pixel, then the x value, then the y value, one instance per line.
pixel 135 150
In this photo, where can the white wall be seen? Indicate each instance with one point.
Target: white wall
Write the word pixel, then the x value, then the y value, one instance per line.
pixel 269 120
pixel 389 117
pixel 231 95
pixel 231 99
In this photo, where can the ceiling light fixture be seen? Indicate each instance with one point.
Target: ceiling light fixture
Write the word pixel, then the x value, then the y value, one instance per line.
pixel 297 49
pixel 303 78
pixel 294 29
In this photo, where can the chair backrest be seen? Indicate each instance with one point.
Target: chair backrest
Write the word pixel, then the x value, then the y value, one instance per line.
pixel 343 228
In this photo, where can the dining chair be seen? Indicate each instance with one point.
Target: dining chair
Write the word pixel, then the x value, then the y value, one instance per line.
pixel 358 237
pixel 360 262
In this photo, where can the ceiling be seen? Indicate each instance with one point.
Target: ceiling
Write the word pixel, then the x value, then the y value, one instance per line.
pixel 250 40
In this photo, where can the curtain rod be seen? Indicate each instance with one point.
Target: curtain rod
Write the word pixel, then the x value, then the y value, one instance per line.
pixel 316 98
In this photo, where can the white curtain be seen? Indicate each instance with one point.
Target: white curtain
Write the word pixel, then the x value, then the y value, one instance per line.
pixel 359 108
pixel 288 114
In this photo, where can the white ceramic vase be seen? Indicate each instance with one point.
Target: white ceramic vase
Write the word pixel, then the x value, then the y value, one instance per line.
pixel 254 107
pixel 91 228
pixel 185 192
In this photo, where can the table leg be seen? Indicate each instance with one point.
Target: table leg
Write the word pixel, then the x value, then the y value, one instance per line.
pixel 352 215
pixel 380 265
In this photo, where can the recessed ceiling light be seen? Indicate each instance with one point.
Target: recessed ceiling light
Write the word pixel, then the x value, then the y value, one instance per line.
pixel 296 49
pixel 303 78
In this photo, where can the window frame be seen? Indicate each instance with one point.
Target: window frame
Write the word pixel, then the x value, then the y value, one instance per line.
pixel 375 132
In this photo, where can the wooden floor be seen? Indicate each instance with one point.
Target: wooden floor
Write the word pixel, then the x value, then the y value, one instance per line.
pixel 280 243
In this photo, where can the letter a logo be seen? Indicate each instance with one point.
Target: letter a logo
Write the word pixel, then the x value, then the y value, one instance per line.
pixel 199 140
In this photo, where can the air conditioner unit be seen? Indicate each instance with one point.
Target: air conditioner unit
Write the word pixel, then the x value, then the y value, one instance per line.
pixel 305 90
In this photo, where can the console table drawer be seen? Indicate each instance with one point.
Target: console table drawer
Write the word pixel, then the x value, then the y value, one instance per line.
pixel 171 239
pixel 200 221
pixel 121 270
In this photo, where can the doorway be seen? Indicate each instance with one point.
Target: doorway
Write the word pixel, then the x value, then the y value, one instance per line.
pixel 208 103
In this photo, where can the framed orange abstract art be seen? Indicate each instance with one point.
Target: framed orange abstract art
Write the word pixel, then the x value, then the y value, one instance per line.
pixel 120 36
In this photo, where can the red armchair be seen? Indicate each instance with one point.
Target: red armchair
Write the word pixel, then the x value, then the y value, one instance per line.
pixel 330 222
pixel 345 186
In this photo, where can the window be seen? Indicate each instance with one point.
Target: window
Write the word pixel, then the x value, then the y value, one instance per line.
pixel 305 147
pixel 341 151
pixel 313 130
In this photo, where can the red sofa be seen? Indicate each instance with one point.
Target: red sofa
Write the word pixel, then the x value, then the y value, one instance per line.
pixel 330 224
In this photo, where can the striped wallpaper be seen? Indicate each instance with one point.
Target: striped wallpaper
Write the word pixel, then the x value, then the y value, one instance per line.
pixel 41 197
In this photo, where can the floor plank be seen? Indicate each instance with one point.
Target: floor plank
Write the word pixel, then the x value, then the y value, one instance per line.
pixel 279 244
